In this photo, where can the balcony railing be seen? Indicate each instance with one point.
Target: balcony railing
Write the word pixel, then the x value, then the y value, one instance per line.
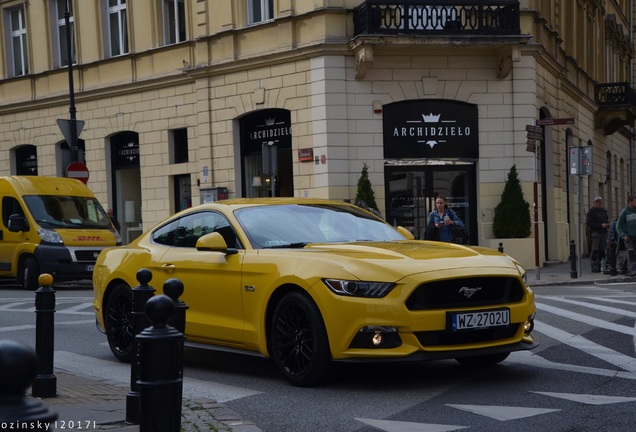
pixel 437 18
pixel 615 95
pixel 616 106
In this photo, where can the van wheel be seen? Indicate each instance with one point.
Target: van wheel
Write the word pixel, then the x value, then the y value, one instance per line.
pixel 118 322
pixel 30 272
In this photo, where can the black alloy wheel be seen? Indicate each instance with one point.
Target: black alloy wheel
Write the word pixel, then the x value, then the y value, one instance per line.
pixel 299 342
pixel 118 322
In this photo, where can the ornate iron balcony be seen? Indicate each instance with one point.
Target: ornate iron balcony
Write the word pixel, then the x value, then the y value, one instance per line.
pixel 614 94
pixel 437 18
pixel 617 106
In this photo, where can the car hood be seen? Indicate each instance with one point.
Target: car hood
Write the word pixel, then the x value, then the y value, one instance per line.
pixel 399 259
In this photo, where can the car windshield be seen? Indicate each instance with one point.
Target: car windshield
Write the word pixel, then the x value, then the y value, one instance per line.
pixel 52 211
pixel 296 225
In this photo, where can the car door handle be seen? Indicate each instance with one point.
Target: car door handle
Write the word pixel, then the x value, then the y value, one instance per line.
pixel 168 267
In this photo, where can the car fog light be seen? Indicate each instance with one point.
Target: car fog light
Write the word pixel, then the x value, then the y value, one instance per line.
pixel 376 337
pixel 529 325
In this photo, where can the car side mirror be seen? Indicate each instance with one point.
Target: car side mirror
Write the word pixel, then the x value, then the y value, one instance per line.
pixel 214 242
pixel 406 233
pixel 18 223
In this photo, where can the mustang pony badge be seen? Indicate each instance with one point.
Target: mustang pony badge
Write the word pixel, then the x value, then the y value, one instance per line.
pixel 468 292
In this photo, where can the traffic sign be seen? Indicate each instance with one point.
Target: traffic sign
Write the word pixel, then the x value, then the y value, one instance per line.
pixel 65 127
pixel 554 121
pixel 77 170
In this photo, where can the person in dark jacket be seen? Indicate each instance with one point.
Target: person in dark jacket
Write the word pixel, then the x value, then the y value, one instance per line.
pixel 442 218
pixel 626 228
pixel 598 224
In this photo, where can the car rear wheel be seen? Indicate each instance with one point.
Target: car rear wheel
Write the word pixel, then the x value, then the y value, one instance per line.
pixel 30 272
pixel 300 346
pixel 118 322
pixel 482 361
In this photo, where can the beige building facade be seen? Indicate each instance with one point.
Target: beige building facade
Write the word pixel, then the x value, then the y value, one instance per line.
pixel 183 101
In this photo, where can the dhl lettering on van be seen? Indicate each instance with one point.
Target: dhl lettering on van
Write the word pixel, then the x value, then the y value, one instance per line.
pixel 51 225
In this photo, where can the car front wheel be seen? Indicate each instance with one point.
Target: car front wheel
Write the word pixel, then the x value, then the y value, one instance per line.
pixel 483 361
pixel 299 342
pixel 118 322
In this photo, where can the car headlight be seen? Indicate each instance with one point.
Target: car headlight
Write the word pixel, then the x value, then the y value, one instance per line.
pixel 359 288
pixel 524 274
pixel 49 235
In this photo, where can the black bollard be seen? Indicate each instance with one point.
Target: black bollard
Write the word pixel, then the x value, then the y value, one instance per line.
pixel 45 384
pixel 173 288
pixel 18 367
pixel 500 248
pixel 573 272
pixel 140 296
pixel 611 259
pixel 161 369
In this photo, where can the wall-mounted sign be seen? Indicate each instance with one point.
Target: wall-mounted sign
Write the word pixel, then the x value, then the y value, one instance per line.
pixel 26 160
pixel 126 146
pixel 264 127
pixel 430 128
pixel 306 155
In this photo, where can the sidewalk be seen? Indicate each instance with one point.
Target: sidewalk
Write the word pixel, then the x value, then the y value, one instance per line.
pixel 84 402
pixel 561 274
pixel 101 405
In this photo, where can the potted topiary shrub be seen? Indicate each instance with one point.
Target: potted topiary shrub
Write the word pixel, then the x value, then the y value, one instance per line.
pixel 512 214
pixel 365 194
pixel 512 222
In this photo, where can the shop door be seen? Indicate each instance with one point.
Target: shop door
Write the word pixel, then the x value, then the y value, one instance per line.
pixel 411 193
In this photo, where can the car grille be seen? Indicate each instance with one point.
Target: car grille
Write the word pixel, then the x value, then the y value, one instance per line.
pixel 447 337
pixel 86 255
pixel 466 293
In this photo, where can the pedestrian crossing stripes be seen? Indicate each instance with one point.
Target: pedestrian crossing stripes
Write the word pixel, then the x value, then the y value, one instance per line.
pixel 63 305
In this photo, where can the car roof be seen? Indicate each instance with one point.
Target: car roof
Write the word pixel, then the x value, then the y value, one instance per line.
pixel 237 203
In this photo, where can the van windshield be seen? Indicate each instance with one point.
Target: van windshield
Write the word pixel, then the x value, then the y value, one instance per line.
pixel 51 211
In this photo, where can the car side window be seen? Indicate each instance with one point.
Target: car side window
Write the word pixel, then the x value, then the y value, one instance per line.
pixel 185 231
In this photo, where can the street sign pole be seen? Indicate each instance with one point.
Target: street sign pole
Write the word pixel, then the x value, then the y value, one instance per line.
pixel 71 86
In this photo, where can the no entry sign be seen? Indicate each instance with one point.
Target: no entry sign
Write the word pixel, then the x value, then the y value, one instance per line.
pixel 77 170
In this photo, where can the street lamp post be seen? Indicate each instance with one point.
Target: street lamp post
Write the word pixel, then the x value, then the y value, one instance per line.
pixel 71 87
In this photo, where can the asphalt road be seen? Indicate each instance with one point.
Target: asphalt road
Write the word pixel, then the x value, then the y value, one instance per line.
pixel 581 377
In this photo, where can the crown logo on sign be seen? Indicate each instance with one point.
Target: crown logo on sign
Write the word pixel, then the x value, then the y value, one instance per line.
pixel 270 121
pixel 431 118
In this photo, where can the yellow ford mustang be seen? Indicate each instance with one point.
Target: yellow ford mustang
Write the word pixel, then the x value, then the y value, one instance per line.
pixel 311 282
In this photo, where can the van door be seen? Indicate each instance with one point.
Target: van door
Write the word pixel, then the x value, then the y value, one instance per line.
pixel 9 241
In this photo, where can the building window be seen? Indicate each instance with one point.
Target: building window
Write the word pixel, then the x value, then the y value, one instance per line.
pixel 18 44
pixel 259 10
pixel 178 141
pixel 118 32
pixel 60 42
pixel 174 25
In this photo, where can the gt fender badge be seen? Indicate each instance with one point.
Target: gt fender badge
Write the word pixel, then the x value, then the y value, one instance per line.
pixel 250 288
pixel 468 292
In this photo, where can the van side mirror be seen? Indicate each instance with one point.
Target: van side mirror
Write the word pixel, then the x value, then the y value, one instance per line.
pixel 18 223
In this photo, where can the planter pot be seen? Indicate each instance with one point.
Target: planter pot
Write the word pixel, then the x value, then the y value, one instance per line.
pixel 521 249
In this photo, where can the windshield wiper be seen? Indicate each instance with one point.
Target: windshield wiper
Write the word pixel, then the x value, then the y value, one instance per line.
pixel 298 245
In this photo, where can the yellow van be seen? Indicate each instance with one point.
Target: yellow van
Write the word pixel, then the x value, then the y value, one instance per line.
pixel 51 225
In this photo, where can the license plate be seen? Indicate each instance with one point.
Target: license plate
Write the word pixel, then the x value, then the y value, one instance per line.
pixel 481 319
